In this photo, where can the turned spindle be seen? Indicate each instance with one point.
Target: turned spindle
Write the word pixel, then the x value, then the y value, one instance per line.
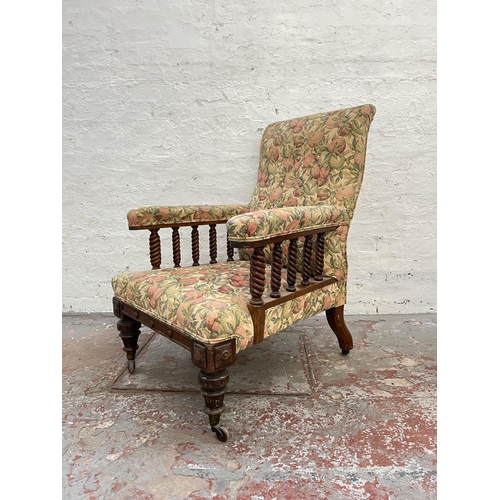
pixel 212 234
pixel 320 257
pixel 154 248
pixel 257 276
pixel 195 245
pixel 276 264
pixel 176 247
pixel 291 274
pixel 230 251
pixel 306 261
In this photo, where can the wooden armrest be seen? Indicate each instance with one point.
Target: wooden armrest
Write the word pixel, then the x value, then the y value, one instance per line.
pixel 255 229
pixel 156 217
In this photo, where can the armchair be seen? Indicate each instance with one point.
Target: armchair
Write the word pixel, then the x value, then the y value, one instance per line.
pixel 291 264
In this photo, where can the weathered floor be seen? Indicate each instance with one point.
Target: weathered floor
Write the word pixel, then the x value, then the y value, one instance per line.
pixel 305 421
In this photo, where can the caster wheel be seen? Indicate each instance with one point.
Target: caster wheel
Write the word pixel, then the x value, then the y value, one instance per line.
pixel 221 433
pixel 344 352
pixel 131 365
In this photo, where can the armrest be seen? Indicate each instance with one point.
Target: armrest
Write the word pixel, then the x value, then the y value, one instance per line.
pixel 250 229
pixel 183 215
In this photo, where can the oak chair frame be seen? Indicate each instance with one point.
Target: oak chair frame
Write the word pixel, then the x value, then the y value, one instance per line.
pixel 287 207
pixel 214 359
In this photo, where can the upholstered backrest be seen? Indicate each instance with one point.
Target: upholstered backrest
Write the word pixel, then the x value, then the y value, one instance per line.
pixel 315 160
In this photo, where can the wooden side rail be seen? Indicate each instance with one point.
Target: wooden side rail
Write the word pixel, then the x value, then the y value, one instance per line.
pixel 313 252
pixel 155 244
pixel 311 272
pixel 311 278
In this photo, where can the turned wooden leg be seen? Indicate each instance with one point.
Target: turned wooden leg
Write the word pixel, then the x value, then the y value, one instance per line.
pixel 213 388
pixel 335 317
pixel 129 333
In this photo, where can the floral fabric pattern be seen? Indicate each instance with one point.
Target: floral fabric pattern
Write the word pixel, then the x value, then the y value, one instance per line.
pixel 310 174
pixel 315 160
pixel 209 302
pixel 257 226
pixel 284 315
pixel 158 215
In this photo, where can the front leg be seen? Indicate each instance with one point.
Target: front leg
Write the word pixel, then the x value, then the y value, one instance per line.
pixel 129 333
pixel 213 388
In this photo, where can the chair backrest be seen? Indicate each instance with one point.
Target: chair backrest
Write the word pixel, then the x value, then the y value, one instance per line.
pixel 314 160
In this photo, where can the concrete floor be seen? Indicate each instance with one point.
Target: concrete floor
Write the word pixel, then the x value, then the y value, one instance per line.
pixel 305 421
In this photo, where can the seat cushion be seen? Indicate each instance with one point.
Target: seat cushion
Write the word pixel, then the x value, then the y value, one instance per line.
pixel 209 302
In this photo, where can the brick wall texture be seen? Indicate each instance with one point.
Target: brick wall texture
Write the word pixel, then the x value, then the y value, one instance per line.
pixel 164 102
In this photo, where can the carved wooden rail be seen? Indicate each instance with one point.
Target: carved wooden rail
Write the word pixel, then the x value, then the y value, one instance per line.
pixel 312 265
pixel 311 272
pixel 313 252
pixel 155 243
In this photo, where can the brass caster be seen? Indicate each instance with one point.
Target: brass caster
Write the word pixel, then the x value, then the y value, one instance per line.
pixel 344 352
pixel 131 365
pixel 221 433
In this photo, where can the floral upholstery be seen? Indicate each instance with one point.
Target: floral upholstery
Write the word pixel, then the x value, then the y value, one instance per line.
pixel 310 174
pixel 160 215
pixel 315 160
pixel 209 302
pixel 257 226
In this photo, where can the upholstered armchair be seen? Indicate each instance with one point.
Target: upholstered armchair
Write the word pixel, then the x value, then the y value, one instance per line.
pixel 286 253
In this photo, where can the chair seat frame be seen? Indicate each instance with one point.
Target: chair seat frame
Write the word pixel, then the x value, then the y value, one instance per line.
pixel 214 359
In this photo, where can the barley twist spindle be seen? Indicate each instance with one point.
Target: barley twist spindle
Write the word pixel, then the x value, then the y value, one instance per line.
pixel 230 251
pixel 291 275
pixel 276 264
pixel 257 276
pixel 213 244
pixel 306 261
pixel 176 246
pixel 154 249
pixel 320 256
pixel 195 245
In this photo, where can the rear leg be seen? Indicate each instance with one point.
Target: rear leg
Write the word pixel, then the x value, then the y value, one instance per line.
pixel 335 317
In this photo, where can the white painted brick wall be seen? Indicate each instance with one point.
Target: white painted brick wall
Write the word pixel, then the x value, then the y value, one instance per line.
pixel 164 102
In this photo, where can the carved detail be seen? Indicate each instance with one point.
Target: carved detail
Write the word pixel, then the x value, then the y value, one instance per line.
pixel 320 257
pixel 306 261
pixel 199 356
pixel 195 245
pixel 222 355
pixel 176 246
pixel 291 275
pixel 276 265
pixel 257 276
pixel 213 389
pixel 155 249
pixel 212 233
